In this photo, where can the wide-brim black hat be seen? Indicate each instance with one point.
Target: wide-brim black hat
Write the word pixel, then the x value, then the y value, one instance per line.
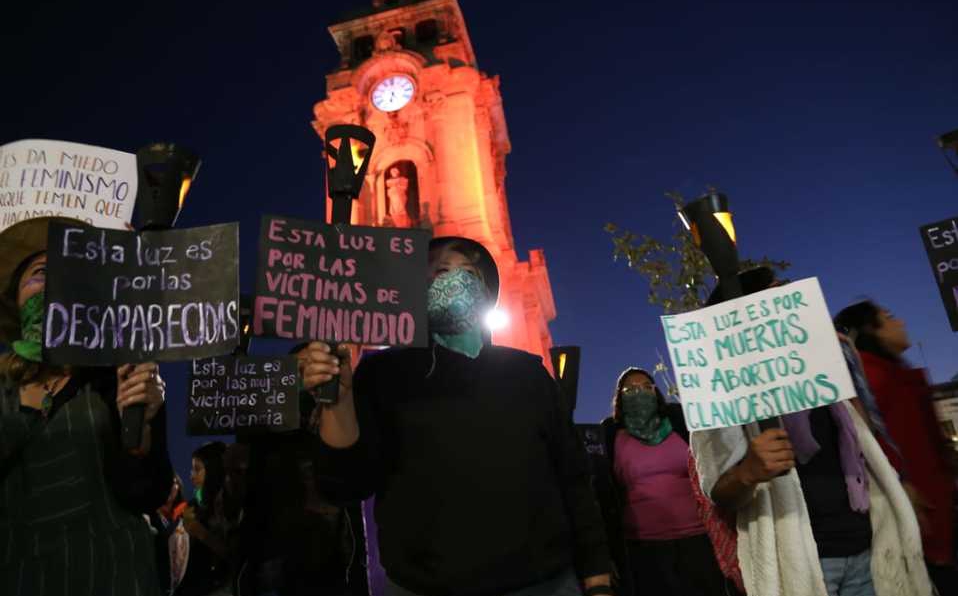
pixel 486 264
pixel 17 243
pixel 752 280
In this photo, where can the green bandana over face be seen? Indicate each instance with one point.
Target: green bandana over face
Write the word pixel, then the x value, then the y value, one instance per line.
pixel 454 304
pixel 28 346
pixel 640 416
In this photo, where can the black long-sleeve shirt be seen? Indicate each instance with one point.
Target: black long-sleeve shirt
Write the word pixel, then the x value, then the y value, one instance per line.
pixel 481 484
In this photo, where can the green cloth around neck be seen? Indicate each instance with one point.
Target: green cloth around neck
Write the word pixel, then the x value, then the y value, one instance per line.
pixel 468 344
pixel 28 346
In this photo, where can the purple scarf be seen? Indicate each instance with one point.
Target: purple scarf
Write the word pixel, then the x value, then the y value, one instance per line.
pixel 850 451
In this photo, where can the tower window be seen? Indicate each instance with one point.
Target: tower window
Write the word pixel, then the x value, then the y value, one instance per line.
pixel 362 48
pixel 427 32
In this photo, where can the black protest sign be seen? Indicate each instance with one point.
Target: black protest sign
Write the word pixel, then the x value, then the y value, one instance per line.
pixel 350 284
pixel 593 439
pixel 243 394
pixel 593 443
pixel 117 297
pixel 941 244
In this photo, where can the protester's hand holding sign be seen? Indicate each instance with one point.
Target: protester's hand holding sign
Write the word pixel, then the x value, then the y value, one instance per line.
pixel 141 384
pixel 317 365
pixel 769 455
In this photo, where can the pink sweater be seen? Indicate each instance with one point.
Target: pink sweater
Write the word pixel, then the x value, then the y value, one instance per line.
pixel 659 501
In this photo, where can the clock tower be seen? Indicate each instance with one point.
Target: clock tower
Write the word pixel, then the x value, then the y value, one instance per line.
pixel 409 74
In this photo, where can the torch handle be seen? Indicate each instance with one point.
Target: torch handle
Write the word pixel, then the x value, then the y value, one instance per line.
pixel 328 392
pixel 132 426
pixel 342 210
pixel 770 423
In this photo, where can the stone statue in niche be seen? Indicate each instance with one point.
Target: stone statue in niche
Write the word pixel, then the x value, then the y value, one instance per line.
pixel 397 197
pixel 386 42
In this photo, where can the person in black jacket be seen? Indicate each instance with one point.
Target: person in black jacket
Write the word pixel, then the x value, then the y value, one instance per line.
pixel 481 486
pixel 661 544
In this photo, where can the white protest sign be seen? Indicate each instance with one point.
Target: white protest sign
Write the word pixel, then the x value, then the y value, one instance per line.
pixel 764 355
pixel 44 178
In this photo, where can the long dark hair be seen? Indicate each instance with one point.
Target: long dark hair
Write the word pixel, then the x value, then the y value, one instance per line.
pixel 861 321
pixel 617 396
pixel 211 455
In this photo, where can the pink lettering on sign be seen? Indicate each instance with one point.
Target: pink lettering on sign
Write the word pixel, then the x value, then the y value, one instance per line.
pixel 290 260
pixel 358 242
pixel 275 229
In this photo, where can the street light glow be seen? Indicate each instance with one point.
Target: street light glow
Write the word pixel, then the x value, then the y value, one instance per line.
pixel 496 319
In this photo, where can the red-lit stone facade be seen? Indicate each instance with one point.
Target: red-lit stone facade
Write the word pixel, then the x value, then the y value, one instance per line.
pixel 440 156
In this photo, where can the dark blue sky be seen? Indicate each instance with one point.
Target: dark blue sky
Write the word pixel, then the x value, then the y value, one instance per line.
pixel 817 119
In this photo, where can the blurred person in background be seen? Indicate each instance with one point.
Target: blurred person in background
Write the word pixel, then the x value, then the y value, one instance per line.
pixel 207 571
pixel 904 398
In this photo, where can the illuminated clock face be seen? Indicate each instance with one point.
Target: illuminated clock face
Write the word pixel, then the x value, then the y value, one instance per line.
pixel 393 93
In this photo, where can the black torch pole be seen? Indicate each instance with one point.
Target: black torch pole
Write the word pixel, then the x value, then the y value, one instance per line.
pixel 165 172
pixel 342 210
pixel 344 182
pixel 720 248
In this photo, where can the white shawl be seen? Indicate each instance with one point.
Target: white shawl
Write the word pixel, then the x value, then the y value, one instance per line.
pixel 777 553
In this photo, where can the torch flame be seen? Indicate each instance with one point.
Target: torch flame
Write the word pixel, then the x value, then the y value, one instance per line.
pixel 725 218
pixel 184 188
pixel 359 152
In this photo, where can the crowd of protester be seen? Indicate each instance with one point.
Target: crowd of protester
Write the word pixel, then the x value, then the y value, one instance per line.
pixel 481 484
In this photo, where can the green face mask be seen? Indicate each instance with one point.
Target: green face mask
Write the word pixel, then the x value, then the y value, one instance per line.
pixel 454 305
pixel 28 346
pixel 640 416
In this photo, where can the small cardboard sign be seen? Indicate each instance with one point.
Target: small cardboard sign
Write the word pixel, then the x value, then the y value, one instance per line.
pixel 233 394
pixel 593 439
pixel 117 297
pixel 41 178
pixel 941 244
pixel 352 284
pixel 764 355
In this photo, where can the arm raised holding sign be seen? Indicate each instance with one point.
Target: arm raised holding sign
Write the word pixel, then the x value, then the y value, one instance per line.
pixel 463 442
